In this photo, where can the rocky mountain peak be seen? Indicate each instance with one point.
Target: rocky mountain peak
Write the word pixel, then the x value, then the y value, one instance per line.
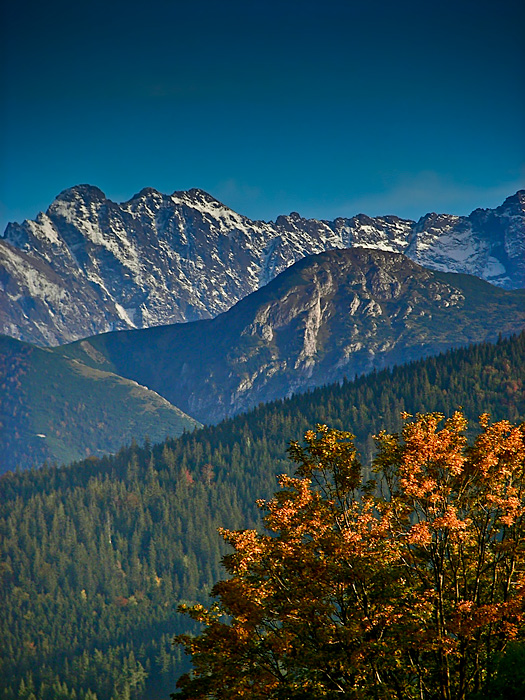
pixel 434 220
pixel 202 195
pixel 513 205
pixel 291 220
pixel 197 197
pixel 146 193
pixel 88 193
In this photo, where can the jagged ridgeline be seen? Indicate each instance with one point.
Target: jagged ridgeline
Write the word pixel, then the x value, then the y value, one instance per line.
pixel 96 556
pixel 89 265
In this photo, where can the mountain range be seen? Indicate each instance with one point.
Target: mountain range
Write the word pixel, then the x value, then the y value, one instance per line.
pixel 330 315
pixel 206 314
pixel 89 265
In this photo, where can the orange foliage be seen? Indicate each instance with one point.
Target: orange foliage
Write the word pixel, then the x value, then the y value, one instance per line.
pixel 404 587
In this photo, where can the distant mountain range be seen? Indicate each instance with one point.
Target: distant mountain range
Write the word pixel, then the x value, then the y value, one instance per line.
pixel 331 315
pixel 89 265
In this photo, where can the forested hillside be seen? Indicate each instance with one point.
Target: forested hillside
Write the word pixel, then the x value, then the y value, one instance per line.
pixel 96 556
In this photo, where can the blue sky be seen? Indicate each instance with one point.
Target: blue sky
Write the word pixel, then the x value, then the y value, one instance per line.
pixel 328 108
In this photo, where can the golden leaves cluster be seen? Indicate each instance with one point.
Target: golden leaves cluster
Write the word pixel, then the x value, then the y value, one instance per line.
pixel 407 586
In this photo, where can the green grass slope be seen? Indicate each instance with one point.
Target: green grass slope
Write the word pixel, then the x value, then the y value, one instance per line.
pixel 57 409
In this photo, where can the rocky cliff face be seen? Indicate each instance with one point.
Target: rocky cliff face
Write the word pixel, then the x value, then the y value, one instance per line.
pixel 89 265
pixel 328 316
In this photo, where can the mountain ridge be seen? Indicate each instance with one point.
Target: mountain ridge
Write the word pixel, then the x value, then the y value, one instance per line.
pixel 89 265
pixel 58 409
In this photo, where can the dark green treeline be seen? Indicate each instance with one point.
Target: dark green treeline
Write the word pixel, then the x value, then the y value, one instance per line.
pixel 96 556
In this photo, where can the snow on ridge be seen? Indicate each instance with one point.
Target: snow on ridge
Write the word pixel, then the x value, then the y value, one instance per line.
pixel 212 210
pixel 43 228
pixel 124 315
pixel 85 218
pixel 35 282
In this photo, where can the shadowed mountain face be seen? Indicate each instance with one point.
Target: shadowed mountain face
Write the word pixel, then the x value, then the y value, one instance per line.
pixel 57 409
pixel 336 314
pixel 89 265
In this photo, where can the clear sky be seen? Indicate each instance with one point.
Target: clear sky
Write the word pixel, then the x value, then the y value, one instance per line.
pixel 325 107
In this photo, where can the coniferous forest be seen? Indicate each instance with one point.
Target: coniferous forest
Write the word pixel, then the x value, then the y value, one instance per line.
pixel 97 556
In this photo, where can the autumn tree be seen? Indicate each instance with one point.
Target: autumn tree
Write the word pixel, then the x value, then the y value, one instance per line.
pixel 409 586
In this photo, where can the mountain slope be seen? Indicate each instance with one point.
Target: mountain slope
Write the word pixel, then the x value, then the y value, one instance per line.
pixel 58 409
pixel 96 556
pixel 331 315
pixel 90 265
